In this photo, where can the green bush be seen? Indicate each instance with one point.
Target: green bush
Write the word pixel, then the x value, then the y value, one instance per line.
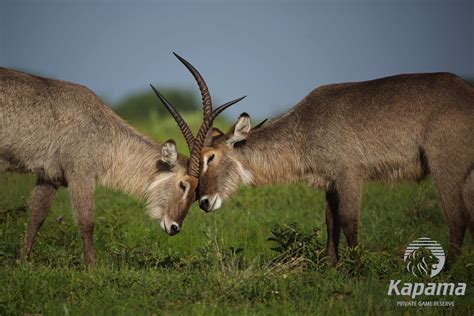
pixel 143 104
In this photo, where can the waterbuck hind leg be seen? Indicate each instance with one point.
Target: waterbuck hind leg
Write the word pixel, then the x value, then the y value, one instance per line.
pixel 449 151
pixel 349 190
pixel 468 197
pixel 333 226
pixel 40 204
pixel 450 192
pixel 82 197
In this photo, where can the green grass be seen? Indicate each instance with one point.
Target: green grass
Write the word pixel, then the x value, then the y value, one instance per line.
pixel 222 262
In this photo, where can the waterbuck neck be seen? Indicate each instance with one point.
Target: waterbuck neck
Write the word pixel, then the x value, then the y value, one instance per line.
pixel 132 164
pixel 272 154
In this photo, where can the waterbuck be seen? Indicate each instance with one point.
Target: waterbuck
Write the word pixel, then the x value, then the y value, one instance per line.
pixel 67 136
pixel 340 135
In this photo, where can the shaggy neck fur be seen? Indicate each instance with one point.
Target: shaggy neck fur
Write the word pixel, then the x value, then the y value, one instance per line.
pixel 133 165
pixel 271 155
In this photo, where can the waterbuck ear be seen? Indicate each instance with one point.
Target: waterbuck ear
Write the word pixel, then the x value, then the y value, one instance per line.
pixel 240 130
pixel 169 153
pixel 211 135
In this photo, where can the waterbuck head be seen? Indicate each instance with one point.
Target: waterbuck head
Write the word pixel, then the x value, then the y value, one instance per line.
pixel 222 172
pixel 172 190
pixel 185 185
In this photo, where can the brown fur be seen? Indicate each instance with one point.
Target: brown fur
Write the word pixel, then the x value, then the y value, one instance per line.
pixel 341 135
pixel 63 133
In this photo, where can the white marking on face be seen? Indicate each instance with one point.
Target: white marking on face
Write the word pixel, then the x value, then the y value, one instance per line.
pixel 186 189
pixel 204 167
pixel 166 225
pixel 215 201
pixel 206 162
pixel 245 175
pixel 162 225
pixel 157 195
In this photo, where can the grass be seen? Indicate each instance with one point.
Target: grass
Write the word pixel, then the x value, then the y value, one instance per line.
pixel 222 262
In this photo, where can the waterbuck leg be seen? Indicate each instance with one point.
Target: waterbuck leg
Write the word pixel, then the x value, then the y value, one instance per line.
pixel 349 189
pixel 82 197
pixel 450 193
pixel 468 196
pixel 458 218
pixel 41 200
pixel 333 226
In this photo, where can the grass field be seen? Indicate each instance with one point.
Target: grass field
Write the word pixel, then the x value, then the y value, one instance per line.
pixel 222 262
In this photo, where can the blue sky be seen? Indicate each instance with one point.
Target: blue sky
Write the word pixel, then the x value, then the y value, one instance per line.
pixel 275 52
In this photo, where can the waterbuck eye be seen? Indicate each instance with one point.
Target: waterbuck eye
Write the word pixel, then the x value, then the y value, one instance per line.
pixel 211 158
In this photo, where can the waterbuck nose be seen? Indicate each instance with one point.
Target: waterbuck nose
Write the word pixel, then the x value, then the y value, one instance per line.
pixel 174 229
pixel 204 204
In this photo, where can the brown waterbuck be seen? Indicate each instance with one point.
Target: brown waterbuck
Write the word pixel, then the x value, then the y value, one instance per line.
pixel 67 136
pixel 339 136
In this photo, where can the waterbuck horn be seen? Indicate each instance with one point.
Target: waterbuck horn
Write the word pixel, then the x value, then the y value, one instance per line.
pixel 225 106
pixel 208 119
pixel 260 124
pixel 195 157
pixel 206 96
pixel 195 143
pixel 187 133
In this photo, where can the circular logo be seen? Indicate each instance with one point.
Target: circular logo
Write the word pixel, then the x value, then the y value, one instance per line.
pixel 424 256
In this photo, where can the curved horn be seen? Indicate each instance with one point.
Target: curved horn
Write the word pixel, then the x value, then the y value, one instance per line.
pixel 195 143
pixel 221 108
pixel 195 157
pixel 260 124
pixel 205 95
pixel 187 133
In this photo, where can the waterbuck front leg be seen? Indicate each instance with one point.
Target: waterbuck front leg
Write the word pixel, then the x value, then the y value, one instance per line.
pixel 41 201
pixel 82 197
pixel 333 226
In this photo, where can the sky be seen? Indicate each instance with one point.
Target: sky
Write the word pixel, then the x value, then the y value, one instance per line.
pixel 275 52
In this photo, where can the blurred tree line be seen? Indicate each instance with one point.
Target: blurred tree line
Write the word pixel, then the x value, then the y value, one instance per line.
pixel 144 104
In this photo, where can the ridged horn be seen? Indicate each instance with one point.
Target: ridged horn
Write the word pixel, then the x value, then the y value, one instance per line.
pixel 205 95
pixel 195 157
pixel 195 143
pixel 187 133
pixel 260 124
